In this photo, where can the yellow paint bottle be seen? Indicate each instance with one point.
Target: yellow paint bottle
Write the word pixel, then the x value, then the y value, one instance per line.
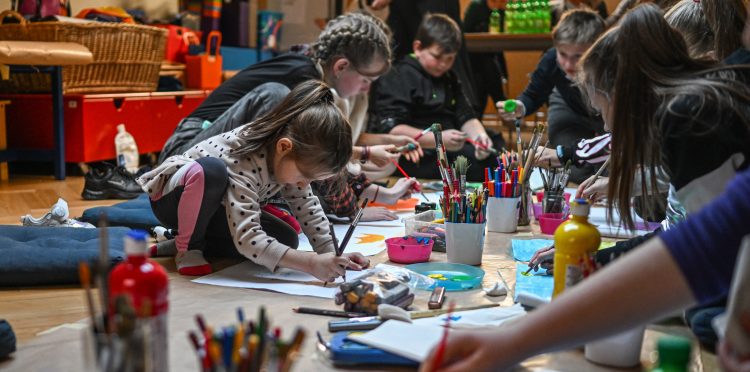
pixel 576 240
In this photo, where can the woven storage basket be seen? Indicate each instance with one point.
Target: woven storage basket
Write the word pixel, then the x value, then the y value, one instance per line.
pixel 127 57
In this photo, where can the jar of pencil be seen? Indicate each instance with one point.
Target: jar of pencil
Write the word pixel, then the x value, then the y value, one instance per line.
pixel 465 215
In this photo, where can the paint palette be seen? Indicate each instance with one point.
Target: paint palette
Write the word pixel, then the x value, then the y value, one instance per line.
pixel 452 276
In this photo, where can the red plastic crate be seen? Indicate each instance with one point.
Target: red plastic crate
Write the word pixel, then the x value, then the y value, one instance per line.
pixel 91 121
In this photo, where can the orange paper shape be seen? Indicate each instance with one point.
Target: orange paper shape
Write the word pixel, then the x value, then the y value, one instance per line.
pixel 401 205
pixel 370 238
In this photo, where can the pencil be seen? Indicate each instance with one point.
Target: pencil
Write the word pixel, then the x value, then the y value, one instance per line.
pixel 332 233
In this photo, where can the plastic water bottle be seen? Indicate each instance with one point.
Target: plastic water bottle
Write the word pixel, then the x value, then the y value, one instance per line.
pixel 495 22
pixel 126 149
pixel 576 240
pixel 145 283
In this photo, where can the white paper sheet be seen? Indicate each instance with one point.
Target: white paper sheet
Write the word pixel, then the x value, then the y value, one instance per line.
pixel 479 318
pixel 368 240
pixel 250 275
pixel 408 340
pixel 598 217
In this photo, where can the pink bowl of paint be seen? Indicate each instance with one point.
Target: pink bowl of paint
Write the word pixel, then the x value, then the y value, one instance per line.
pixel 548 222
pixel 407 250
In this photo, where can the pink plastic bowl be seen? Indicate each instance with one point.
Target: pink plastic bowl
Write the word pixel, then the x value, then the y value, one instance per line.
pixel 407 251
pixel 548 222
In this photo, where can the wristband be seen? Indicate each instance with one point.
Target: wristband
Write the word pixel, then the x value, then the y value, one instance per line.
pixel 365 155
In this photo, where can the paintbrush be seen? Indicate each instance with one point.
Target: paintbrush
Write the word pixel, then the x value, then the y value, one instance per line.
pixel 103 265
pixel 601 169
pixel 84 273
pixel 416 186
pixel 349 232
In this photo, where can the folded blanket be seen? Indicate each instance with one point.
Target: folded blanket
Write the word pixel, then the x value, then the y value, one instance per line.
pixel 50 255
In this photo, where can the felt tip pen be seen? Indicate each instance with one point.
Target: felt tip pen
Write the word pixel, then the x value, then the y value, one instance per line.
pixel 326 312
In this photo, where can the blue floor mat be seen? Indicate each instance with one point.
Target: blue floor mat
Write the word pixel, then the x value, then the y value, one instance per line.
pixel 136 214
pixel 50 255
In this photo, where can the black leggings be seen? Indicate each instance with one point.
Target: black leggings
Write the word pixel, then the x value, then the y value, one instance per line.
pixel 211 226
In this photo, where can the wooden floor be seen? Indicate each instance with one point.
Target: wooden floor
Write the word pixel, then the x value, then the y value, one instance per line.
pixel 29 310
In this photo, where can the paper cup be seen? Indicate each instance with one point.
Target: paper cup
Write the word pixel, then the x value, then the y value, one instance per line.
pixel 502 214
pixel 464 242
pixel 622 350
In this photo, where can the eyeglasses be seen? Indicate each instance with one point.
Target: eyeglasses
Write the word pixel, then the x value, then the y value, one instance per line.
pixel 367 77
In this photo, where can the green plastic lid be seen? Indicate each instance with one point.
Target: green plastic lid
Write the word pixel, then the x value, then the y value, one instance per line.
pixel 510 105
pixel 674 353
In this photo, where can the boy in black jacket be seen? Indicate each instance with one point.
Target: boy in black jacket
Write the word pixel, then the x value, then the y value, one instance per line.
pixel 570 117
pixel 421 90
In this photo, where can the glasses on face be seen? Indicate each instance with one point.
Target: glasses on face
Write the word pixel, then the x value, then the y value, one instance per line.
pixel 366 77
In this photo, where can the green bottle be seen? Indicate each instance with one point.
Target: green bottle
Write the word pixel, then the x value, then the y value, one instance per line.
pixel 510 105
pixel 538 13
pixel 523 18
pixel 674 354
pixel 495 22
pixel 547 16
pixel 510 16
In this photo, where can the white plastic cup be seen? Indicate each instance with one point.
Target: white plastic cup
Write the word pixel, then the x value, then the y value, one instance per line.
pixel 464 242
pixel 502 214
pixel 621 350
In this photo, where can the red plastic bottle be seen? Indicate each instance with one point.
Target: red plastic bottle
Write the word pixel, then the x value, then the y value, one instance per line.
pixel 146 283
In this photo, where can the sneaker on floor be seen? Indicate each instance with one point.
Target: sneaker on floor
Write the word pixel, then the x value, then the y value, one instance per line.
pixel 192 263
pixel 110 182
pixel 55 217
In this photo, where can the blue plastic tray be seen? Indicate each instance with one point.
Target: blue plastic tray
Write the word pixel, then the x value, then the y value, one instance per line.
pixel 457 277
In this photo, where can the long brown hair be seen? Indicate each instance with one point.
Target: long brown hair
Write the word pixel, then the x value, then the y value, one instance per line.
pixel 319 131
pixel 644 68
pixel 727 19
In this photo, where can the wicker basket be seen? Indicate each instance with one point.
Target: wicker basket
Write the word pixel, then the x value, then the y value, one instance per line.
pixel 127 57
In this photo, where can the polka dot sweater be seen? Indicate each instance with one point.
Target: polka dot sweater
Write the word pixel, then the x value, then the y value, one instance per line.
pixel 250 186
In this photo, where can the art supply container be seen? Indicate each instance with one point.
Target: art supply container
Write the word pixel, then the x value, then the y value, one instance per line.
pixel 407 250
pixel 464 242
pixel 622 350
pixel 423 225
pixel 540 196
pixel 502 214
pixel 537 208
pixel 553 202
pixel 548 222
